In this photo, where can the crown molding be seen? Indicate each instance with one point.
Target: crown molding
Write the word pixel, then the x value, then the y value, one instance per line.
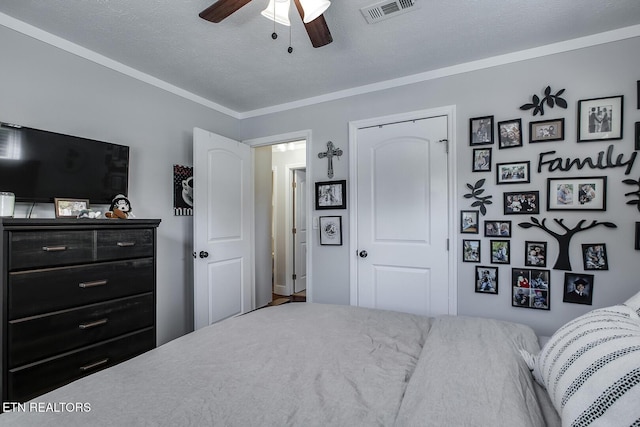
pixel 537 52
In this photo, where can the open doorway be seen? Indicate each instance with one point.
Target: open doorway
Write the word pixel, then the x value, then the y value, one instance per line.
pixel 284 222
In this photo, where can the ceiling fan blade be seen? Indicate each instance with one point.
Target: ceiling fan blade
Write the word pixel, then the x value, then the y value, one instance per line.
pixel 317 29
pixel 221 9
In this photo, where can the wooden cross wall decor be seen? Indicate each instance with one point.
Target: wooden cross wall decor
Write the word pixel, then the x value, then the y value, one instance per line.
pixel 331 151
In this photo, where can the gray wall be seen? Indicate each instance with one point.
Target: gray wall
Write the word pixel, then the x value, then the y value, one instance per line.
pixel 605 70
pixel 44 87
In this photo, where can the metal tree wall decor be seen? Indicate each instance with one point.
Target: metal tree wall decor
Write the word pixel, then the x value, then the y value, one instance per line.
pixel 563 262
pixel 481 201
pixel 549 99
pixel 633 193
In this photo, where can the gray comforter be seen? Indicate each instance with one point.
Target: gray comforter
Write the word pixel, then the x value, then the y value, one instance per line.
pixel 316 365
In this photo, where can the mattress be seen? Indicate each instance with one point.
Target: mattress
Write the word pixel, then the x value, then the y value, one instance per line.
pixel 304 364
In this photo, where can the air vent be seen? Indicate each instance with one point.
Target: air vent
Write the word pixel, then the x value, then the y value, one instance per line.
pixel 387 9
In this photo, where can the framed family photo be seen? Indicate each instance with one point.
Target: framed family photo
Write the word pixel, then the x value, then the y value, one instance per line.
pixel 487 280
pixel 331 195
pixel 535 254
pixel 500 251
pixel 510 133
pixel 513 173
pixel 494 228
pixel 69 208
pixel 481 160
pixel 470 250
pixel 577 194
pixel 546 130
pixel 600 118
pixel 521 202
pixel 578 288
pixel 594 256
pixel 481 130
pixel 530 288
pixel 469 222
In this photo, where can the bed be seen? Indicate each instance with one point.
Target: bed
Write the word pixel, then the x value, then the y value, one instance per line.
pixel 304 364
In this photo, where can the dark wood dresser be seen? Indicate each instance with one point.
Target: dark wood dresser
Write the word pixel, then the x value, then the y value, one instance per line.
pixel 78 296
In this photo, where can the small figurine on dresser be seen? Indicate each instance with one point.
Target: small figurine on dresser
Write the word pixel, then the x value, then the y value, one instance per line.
pixel 120 208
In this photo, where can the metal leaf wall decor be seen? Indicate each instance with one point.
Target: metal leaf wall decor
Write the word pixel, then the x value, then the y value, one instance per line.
pixel 476 192
pixel 549 99
pixel 633 193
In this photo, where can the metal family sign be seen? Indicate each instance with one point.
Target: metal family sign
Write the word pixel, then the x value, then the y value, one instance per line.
pixel 603 161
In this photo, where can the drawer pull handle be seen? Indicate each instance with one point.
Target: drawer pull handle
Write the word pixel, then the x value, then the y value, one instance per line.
pixel 54 248
pixel 93 284
pixel 90 325
pixel 126 244
pixel 94 365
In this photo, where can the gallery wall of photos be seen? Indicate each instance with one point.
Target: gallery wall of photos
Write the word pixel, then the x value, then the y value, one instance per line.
pixel 579 184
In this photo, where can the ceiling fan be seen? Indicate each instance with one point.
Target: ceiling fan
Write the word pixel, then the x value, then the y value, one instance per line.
pixel 317 28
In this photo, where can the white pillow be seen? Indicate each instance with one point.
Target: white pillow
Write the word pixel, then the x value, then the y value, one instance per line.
pixel 634 302
pixel 591 368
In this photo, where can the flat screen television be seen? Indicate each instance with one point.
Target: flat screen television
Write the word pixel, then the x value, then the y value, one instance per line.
pixel 38 165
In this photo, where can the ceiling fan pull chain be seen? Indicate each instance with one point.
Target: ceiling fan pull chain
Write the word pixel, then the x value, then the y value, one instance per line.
pixel 290 50
pixel 274 35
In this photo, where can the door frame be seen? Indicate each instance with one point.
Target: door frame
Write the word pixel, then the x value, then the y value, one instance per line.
pixel 354 126
pixel 284 138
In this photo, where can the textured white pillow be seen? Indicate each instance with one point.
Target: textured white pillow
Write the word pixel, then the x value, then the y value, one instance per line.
pixel 591 368
pixel 634 302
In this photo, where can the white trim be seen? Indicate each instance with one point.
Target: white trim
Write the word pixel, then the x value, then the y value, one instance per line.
pixel 450 113
pixel 523 55
pixel 53 40
pixel 290 137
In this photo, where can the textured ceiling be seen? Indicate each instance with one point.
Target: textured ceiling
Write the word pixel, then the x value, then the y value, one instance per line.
pixel 237 65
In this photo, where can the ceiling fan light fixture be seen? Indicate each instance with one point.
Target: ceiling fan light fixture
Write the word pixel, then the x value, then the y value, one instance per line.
pixel 313 9
pixel 278 11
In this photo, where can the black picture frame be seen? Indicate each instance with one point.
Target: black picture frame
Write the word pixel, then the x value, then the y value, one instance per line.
pixel 594 256
pixel 637 136
pixel 531 288
pixel 469 222
pixel 546 130
pixel 500 251
pixel 486 280
pixel 637 237
pixel 513 173
pixel 510 133
pixel 331 195
pixel 521 202
pixel 572 292
pixel 481 160
pixel 497 228
pixel 481 130
pixel 471 250
pixel 587 193
pixel 535 254
pixel 600 119
pixel 330 230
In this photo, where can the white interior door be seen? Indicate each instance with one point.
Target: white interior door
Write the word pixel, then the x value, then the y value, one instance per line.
pixel 300 227
pixel 223 209
pixel 402 217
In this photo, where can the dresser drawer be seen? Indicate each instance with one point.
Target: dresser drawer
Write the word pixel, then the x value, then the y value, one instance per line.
pixel 32 249
pixel 42 291
pixel 39 337
pixel 123 243
pixel 35 379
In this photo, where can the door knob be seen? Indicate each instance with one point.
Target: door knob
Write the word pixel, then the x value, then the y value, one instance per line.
pixel 363 254
pixel 204 254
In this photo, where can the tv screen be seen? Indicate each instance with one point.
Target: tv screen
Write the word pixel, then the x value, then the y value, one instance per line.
pixel 38 166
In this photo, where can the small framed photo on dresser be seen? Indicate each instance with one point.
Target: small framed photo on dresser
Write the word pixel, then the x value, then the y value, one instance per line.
pixel 70 208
